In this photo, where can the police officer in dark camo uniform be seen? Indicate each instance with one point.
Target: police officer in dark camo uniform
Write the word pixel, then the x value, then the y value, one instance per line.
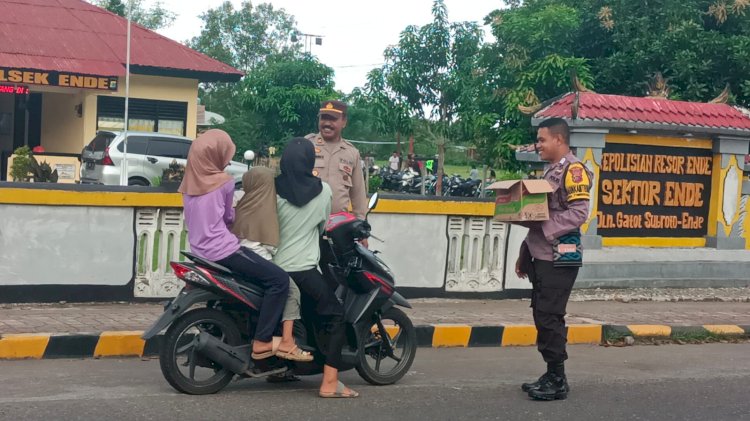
pixel 552 279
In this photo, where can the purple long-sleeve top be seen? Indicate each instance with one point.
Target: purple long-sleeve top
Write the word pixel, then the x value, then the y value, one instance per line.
pixel 568 206
pixel 208 218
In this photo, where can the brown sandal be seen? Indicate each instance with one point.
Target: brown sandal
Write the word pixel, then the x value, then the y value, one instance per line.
pixel 262 355
pixel 275 341
pixel 295 354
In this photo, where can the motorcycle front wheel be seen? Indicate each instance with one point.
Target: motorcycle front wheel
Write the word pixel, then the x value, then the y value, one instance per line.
pixel 386 355
pixel 182 366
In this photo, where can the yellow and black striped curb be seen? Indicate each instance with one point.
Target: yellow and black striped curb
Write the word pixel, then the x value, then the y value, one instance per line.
pixel 673 332
pixel 83 345
pixel 129 343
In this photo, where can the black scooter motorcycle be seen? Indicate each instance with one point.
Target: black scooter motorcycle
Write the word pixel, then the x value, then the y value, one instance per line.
pixel 212 320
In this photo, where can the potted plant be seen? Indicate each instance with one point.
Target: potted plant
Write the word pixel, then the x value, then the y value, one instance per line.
pixel 21 166
pixel 43 173
pixel 26 168
pixel 172 176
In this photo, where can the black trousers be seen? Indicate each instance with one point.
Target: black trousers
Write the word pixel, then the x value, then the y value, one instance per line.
pixel 320 305
pixel 549 300
pixel 327 257
pixel 275 282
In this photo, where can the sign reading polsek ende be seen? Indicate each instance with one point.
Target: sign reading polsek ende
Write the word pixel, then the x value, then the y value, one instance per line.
pixel 62 79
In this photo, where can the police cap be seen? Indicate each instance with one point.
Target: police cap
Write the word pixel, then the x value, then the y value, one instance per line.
pixel 333 108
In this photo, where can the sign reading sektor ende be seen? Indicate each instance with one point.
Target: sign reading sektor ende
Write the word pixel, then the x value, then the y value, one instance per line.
pixel 654 191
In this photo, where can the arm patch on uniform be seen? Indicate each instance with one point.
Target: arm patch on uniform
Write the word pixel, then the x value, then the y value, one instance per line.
pixel 577 182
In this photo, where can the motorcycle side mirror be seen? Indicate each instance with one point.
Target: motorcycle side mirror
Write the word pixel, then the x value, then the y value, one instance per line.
pixel 373 202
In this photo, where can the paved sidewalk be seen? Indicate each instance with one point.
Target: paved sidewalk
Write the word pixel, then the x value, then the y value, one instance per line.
pixel 101 317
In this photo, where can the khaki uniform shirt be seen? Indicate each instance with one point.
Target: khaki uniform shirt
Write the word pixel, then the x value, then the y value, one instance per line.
pixel 340 166
pixel 568 205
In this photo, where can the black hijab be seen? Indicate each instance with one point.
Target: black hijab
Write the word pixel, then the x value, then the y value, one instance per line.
pixel 296 183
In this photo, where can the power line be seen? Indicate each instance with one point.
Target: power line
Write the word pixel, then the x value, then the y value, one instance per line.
pixel 367 142
pixel 357 65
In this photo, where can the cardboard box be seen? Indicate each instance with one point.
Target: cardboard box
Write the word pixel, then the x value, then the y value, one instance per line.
pixel 521 200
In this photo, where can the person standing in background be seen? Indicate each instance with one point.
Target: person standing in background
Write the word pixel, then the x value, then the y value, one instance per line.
pixel 393 162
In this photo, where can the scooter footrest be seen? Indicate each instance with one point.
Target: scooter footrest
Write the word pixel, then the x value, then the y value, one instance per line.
pixel 267 366
pixel 255 372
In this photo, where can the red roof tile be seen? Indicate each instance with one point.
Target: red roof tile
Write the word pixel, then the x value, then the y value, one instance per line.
pixel 600 107
pixel 75 36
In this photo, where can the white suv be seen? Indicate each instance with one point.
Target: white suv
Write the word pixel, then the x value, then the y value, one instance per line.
pixel 149 154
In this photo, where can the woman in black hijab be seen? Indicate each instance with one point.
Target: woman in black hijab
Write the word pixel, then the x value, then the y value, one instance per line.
pixel 297 184
pixel 303 205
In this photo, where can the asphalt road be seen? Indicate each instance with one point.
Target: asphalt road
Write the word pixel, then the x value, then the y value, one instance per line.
pixel 701 382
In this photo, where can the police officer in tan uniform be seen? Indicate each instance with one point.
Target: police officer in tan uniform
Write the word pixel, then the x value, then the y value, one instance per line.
pixel 551 254
pixel 338 163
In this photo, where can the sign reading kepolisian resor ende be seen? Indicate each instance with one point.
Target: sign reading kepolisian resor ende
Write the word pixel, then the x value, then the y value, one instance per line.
pixel 63 79
pixel 654 191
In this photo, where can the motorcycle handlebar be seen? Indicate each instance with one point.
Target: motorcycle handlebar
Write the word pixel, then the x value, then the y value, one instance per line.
pixel 364 230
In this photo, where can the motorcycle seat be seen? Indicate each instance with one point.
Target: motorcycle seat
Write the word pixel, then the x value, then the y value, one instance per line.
pixel 207 263
pixel 254 283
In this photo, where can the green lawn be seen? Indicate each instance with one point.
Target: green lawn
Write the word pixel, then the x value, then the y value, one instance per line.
pixel 462 170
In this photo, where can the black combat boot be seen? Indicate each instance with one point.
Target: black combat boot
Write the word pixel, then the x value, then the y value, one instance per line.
pixel 528 387
pixel 555 385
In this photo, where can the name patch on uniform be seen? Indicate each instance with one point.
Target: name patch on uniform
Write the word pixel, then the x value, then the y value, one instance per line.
pixel 577 182
pixel 345 168
pixel 554 176
pixel 567 250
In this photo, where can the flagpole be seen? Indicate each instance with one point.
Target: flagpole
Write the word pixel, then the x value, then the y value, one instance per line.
pixel 124 164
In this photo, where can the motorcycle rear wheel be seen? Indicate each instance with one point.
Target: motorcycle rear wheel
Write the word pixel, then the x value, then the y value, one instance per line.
pixel 400 336
pixel 205 319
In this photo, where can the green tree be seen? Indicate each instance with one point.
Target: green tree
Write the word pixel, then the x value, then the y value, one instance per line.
pixel 698 45
pixel 155 17
pixel 615 46
pixel 245 37
pixel 531 59
pixel 285 94
pixel 430 71
pixel 376 115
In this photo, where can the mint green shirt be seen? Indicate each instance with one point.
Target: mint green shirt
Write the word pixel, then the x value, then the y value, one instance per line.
pixel 300 230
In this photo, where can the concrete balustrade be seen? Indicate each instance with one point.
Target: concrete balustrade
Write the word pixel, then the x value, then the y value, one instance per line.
pixel 88 243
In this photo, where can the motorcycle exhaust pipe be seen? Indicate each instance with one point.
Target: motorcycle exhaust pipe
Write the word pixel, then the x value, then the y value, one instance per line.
pixel 229 357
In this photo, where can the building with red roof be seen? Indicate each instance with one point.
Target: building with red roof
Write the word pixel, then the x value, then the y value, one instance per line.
pixel 667 173
pixel 648 113
pixel 62 77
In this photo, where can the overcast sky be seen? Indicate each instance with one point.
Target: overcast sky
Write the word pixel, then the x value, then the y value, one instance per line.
pixel 355 32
